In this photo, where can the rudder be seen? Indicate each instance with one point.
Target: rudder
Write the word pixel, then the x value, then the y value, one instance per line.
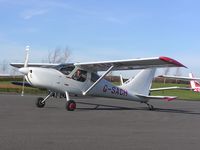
pixel 194 84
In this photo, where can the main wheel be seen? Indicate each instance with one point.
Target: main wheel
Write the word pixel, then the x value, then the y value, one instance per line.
pixel 71 105
pixel 39 102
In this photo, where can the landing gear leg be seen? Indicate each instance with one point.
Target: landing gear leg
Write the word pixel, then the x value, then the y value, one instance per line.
pixel 40 102
pixel 71 105
pixel 96 107
pixel 150 106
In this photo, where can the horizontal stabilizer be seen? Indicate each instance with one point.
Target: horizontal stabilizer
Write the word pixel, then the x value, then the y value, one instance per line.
pixel 167 98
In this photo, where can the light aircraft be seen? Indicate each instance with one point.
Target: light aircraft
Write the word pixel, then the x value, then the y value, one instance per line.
pixel 82 78
pixel 194 82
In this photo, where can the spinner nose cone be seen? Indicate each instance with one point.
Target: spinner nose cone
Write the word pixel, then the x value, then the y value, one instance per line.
pixel 24 71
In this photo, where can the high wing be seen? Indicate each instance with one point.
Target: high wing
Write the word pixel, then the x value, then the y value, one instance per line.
pixel 45 65
pixel 180 78
pixel 130 64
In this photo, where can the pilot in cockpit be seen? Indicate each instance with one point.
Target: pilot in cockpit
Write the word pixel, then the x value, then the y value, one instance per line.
pixel 80 75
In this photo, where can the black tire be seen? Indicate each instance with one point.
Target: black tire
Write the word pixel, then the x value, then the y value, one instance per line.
pixel 71 105
pixel 39 102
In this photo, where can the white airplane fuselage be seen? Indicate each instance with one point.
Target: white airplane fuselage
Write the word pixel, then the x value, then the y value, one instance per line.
pixel 55 80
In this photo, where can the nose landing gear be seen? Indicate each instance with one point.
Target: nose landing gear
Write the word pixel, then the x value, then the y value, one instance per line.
pixel 40 102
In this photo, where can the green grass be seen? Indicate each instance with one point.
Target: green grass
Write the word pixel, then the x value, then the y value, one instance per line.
pixel 5 82
pixel 8 87
pixel 182 94
pixel 19 90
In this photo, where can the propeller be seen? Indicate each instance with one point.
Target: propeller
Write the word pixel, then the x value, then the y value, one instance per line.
pixel 24 70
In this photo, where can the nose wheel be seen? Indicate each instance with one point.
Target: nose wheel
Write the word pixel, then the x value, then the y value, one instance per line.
pixel 40 102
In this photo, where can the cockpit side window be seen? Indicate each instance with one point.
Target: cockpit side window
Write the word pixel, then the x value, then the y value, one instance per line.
pixel 80 75
pixel 94 77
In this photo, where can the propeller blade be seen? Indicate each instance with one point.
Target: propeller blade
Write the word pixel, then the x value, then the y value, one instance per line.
pixel 27 57
pixel 22 94
pixel 25 69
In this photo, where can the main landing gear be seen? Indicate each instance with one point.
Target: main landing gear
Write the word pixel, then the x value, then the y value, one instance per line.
pixel 149 106
pixel 70 105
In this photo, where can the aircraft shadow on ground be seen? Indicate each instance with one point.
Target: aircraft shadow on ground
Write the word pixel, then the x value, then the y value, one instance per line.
pixel 117 108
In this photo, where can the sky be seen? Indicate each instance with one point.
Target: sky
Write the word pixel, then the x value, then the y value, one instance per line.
pixel 96 30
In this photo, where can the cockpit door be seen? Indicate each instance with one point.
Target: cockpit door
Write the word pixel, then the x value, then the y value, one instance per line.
pixel 58 82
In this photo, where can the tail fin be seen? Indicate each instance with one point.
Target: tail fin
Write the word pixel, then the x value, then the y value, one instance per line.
pixel 141 83
pixel 194 84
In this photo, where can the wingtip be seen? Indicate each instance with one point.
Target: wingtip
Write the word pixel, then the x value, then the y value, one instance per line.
pixel 12 64
pixel 172 61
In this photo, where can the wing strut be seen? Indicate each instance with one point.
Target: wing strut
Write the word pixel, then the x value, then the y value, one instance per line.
pixel 92 86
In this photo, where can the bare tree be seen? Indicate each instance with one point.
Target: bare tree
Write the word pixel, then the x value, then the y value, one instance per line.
pixel 59 55
pixel 4 66
pixel 166 71
pixel 178 72
pixel 110 74
pixel 14 71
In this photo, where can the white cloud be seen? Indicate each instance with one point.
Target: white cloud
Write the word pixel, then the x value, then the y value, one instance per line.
pixel 114 20
pixel 28 14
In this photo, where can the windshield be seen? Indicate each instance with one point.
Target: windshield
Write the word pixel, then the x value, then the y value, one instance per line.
pixel 65 68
